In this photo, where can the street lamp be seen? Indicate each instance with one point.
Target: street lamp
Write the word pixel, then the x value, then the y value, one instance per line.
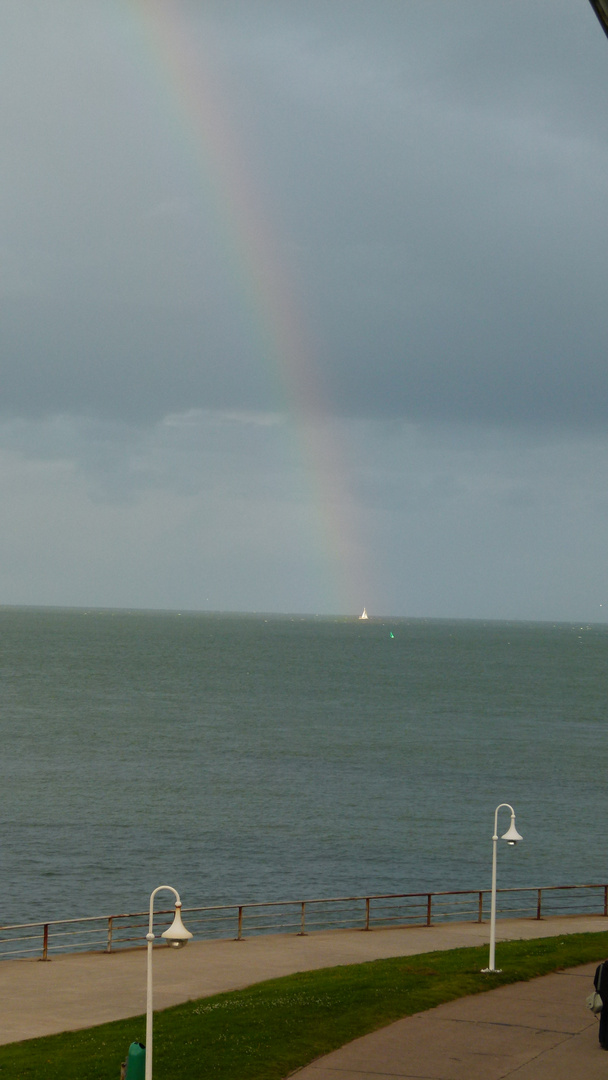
pixel 511 836
pixel 176 937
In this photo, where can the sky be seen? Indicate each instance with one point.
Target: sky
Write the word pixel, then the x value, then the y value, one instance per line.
pixel 303 306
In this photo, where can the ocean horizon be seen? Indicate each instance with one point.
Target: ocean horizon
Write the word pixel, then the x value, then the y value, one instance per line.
pixel 264 756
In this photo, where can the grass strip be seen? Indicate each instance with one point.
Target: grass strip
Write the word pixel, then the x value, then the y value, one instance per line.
pixel 274 1027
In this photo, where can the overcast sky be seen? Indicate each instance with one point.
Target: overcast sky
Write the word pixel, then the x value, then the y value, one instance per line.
pixel 303 306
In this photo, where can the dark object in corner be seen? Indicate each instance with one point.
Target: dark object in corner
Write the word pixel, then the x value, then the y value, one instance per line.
pixel 601 10
pixel 600 981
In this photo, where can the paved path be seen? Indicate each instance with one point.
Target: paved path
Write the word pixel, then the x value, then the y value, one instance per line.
pixel 84 989
pixel 539 1030
pixel 518 1030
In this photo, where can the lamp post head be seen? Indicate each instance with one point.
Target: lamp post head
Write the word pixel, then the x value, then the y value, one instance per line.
pixel 512 835
pixel 176 935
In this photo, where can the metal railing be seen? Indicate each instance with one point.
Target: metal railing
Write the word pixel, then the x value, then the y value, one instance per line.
pixel 109 933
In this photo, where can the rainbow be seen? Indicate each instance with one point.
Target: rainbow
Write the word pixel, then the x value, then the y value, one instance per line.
pixel 187 85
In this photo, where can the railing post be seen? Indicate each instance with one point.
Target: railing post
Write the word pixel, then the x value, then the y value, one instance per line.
pixel 367 912
pixel 538 903
pixel 45 942
pixel 109 944
pixel 429 901
pixel 302 932
pixel 480 912
pixel 239 933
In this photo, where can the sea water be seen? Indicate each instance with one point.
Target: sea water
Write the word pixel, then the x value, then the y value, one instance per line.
pixel 258 757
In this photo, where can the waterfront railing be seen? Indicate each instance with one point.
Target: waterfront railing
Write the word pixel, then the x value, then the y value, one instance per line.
pixel 109 933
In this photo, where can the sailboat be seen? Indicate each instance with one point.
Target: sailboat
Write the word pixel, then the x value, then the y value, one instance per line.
pixel 364 615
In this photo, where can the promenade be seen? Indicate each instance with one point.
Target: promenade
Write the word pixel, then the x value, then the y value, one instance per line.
pixel 484 1036
pixel 539 1030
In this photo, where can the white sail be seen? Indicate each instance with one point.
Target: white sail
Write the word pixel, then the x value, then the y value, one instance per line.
pixel 364 615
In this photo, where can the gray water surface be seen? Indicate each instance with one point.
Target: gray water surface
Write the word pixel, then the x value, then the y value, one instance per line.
pixel 252 757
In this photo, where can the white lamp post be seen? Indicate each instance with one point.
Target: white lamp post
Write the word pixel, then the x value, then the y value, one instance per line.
pixel 176 936
pixel 511 836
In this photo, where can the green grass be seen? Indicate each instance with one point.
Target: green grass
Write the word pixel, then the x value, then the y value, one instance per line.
pixel 272 1028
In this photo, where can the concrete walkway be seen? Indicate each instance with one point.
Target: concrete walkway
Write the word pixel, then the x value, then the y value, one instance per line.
pixel 85 989
pixel 539 1030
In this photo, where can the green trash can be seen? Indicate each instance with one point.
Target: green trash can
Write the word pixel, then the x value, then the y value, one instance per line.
pixel 136 1062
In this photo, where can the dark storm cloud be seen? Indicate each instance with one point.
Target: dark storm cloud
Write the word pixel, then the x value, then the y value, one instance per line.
pixel 130 363
pixel 457 270
pixel 433 173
